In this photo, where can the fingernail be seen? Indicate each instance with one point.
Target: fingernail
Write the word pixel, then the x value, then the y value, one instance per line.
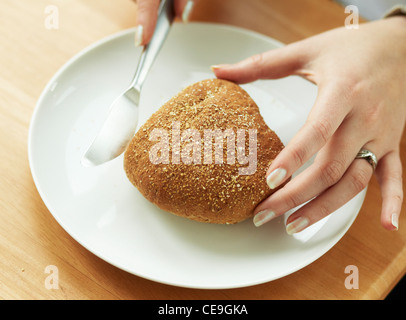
pixel 297 225
pixel 395 221
pixel 138 35
pixel 217 66
pixel 186 12
pixel 263 217
pixel 275 178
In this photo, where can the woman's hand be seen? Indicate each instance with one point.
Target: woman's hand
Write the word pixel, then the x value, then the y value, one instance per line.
pixel 361 103
pixel 147 13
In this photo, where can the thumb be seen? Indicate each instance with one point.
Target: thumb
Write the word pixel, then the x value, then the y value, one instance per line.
pixel 273 64
pixel 147 14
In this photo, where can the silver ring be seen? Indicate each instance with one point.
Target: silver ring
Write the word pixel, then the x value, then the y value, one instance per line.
pixel 368 156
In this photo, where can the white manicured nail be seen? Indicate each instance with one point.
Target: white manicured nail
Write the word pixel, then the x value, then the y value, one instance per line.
pixel 263 217
pixel 395 221
pixel 275 178
pixel 218 66
pixel 138 35
pixel 297 225
pixel 186 12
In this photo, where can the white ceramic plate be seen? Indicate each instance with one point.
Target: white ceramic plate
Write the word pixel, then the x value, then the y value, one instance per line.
pixel 100 208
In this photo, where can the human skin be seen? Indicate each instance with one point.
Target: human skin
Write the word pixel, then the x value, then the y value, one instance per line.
pixel 147 14
pixel 361 104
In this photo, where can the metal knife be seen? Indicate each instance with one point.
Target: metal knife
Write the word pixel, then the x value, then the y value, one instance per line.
pixel 121 123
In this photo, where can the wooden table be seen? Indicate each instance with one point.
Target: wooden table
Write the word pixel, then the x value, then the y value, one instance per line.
pixel 31 239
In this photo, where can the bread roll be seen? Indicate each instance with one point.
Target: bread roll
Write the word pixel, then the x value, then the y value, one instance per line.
pixel 176 162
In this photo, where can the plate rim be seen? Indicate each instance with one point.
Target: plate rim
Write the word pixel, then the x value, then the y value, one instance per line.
pixel 100 255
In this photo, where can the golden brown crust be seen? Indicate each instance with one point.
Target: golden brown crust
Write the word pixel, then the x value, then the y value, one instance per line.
pixel 214 193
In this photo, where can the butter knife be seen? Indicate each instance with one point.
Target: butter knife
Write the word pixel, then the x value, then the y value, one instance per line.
pixel 121 123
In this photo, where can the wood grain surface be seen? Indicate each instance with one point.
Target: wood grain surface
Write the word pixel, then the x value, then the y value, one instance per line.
pixel 31 239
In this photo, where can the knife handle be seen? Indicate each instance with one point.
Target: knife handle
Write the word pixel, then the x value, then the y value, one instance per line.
pixel 166 15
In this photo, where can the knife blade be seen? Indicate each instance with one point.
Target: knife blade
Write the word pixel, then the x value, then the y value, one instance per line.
pixel 122 120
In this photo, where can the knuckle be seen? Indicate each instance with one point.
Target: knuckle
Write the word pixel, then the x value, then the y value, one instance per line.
pixel 257 59
pixel 398 198
pixel 332 172
pixel 393 179
pixel 298 155
pixel 356 87
pixel 372 116
pixel 360 180
pixel 323 129
pixel 324 210
pixel 293 200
